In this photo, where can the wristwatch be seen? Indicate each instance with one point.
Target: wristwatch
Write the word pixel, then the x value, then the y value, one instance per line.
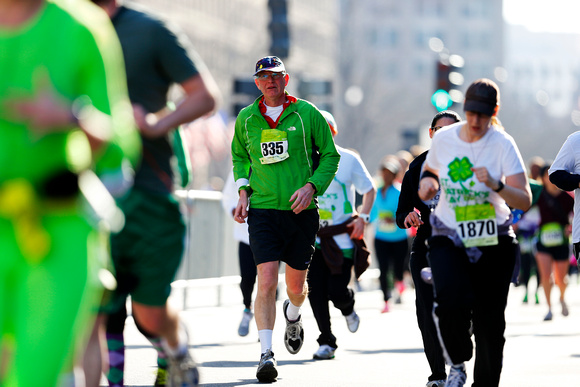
pixel 365 217
pixel 500 186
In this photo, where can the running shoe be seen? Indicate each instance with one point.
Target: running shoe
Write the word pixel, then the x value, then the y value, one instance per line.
pixel 183 371
pixel 537 299
pixel 548 316
pixel 457 376
pixel 435 383
pixel 267 372
pixel 565 311
pixel 352 321
pixel 386 307
pixel 294 334
pixel 525 301
pixel 244 327
pixel 400 285
pixel 325 352
pixel 161 379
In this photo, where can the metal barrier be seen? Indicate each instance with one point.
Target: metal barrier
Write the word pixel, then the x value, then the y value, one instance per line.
pixel 210 261
pixel 210 249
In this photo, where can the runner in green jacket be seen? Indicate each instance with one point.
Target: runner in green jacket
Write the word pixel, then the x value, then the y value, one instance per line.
pixel 283 155
pixel 299 130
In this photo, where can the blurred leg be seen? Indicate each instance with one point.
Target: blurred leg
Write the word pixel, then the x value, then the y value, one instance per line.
pixel 545 262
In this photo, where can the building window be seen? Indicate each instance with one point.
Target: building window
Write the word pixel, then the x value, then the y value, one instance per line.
pixel 392 70
pixel 419 69
pixel 390 38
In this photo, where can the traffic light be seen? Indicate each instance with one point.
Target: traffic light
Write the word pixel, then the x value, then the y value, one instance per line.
pixel 448 79
pixel 278 27
pixel 317 91
pixel 442 79
pixel 245 92
pixel 441 100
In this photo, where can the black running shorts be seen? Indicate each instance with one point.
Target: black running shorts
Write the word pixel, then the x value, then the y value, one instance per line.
pixel 277 235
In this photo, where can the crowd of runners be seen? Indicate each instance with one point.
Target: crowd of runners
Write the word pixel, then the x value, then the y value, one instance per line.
pixel 92 151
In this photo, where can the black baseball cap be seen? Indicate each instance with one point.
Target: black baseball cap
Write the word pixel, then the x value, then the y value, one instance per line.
pixel 482 96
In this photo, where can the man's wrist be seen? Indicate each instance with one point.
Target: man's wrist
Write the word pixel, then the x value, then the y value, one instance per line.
pixel 312 185
pixel 365 217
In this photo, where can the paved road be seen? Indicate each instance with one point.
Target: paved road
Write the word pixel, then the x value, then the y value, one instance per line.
pixel 386 351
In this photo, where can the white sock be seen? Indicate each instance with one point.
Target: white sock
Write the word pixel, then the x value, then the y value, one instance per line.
pixel 265 336
pixel 292 312
pixel 182 343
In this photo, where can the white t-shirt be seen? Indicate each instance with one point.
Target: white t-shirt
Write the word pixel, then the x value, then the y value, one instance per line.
pixel 274 111
pixel 454 158
pixel 337 203
pixel 568 159
pixel 230 202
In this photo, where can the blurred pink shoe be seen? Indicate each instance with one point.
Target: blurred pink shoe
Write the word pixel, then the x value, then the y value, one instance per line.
pixel 400 285
pixel 386 308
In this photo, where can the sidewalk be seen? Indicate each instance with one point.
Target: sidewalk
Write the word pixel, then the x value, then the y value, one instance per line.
pixel 386 351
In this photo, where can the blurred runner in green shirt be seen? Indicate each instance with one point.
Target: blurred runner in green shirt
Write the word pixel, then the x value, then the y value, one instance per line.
pixel 63 111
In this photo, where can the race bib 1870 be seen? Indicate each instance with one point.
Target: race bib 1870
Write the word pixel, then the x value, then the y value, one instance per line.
pixel 274 146
pixel 476 225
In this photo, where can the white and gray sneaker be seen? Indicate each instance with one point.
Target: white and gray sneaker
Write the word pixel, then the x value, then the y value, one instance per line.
pixel 436 383
pixel 244 327
pixel 183 371
pixel 294 334
pixel 267 372
pixel 352 321
pixel 565 311
pixel 457 376
pixel 325 352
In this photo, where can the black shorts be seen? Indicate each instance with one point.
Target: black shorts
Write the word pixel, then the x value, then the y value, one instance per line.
pixel 277 235
pixel 558 253
pixel 576 249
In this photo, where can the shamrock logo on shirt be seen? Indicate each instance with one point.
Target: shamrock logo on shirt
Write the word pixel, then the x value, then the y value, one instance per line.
pixel 460 170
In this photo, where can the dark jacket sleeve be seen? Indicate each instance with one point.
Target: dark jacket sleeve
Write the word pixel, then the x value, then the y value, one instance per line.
pixel 405 200
pixel 409 199
pixel 565 180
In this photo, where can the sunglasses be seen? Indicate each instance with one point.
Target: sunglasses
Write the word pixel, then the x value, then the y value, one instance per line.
pixel 436 128
pixel 274 76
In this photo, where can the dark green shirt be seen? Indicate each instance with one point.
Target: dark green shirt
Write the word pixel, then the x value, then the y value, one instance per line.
pixel 155 58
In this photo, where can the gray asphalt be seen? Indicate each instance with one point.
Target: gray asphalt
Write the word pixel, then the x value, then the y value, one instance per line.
pixel 386 350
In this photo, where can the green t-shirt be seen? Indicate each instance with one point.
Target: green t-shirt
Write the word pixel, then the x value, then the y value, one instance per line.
pixel 71 47
pixel 155 58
